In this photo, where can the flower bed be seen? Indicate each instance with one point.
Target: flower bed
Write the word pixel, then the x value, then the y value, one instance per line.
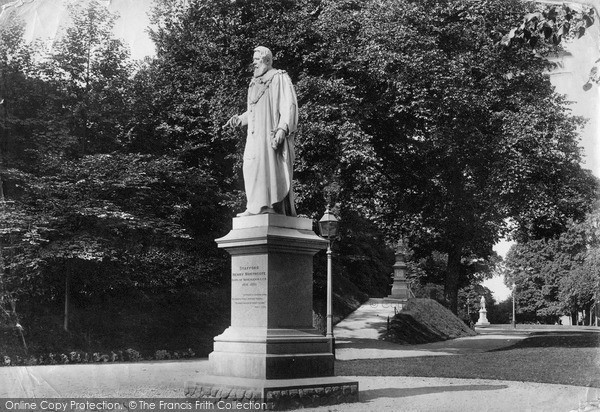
pixel 128 355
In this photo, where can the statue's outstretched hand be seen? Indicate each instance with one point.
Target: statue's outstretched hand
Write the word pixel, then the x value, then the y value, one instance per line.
pixel 234 121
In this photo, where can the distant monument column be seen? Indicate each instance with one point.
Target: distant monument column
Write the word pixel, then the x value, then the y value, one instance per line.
pixel 482 314
pixel 271 352
pixel 400 289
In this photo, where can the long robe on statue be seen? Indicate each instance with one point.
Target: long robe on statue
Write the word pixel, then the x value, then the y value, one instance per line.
pixel 272 105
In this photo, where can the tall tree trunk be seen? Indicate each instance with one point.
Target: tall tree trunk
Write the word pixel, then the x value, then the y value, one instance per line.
pixel 13 304
pixel 3 139
pixel 452 278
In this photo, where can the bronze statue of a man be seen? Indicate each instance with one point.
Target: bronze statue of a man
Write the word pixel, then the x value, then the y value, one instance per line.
pixel 271 117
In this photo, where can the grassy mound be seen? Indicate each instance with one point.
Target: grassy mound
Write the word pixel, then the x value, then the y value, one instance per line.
pixel 424 321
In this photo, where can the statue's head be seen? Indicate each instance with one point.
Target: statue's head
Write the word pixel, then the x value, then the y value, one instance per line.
pixel 262 60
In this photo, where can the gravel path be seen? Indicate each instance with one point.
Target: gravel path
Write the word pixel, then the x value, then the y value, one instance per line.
pixel 165 380
pixel 404 394
pixel 143 379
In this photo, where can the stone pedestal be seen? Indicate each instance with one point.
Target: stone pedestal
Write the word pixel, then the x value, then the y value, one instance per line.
pixel 271 350
pixel 483 321
pixel 228 393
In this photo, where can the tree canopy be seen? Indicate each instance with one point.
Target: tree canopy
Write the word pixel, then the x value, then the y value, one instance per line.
pixel 559 275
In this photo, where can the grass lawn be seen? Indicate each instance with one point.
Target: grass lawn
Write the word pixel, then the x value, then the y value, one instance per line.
pixel 570 358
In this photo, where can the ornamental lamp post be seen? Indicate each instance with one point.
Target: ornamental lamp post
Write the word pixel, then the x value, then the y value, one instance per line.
pixel 328 226
pixel 514 323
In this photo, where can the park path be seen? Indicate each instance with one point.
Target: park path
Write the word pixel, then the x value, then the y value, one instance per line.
pixel 368 321
pixel 164 380
pixel 359 337
pixel 141 379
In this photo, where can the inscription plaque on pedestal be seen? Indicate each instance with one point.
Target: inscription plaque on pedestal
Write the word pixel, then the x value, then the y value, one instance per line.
pixel 249 290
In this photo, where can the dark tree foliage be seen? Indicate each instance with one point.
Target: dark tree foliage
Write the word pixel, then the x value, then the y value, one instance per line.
pixel 89 67
pixel 202 74
pixel 559 275
pixel 88 218
pixel 454 132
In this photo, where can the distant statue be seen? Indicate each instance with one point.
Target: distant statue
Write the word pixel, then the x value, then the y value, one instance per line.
pixel 401 247
pixel 482 321
pixel 271 117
